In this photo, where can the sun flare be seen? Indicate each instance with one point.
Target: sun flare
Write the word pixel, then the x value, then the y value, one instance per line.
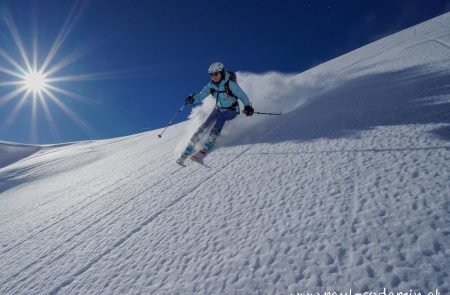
pixel 35 82
pixel 35 79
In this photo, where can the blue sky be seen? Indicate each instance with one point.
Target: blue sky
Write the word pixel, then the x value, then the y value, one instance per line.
pixel 146 56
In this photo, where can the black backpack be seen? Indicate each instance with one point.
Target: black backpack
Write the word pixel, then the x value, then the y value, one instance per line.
pixel 232 76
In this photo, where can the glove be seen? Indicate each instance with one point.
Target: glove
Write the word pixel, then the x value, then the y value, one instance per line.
pixel 189 99
pixel 248 110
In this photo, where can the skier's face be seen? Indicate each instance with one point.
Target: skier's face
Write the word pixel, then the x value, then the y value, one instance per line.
pixel 216 77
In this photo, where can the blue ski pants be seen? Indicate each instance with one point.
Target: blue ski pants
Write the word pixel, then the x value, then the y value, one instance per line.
pixel 218 119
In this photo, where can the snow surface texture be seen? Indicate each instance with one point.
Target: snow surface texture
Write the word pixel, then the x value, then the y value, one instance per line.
pixel 348 189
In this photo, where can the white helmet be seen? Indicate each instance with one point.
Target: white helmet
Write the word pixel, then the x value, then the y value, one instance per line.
pixel 215 67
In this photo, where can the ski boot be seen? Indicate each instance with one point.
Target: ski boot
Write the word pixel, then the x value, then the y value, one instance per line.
pixel 199 156
pixel 187 152
pixel 208 146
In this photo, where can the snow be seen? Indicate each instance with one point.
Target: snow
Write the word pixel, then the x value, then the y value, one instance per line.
pixel 348 189
pixel 13 152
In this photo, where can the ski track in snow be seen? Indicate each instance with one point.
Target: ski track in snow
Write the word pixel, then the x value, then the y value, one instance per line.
pixel 191 190
pixel 109 188
pixel 309 201
pixel 81 181
pixel 101 219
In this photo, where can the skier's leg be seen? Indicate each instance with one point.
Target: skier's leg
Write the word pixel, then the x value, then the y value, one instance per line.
pixel 196 137
pixel 227 115
pixel 215 132
pixel 209 121
pixel 211 141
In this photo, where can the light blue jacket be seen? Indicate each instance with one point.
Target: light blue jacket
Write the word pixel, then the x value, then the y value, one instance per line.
pixel 223 100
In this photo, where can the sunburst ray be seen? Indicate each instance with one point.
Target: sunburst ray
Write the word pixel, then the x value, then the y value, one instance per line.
pixel 49 117
pixel 34 122
pixel 80 123
pixel 11 72
pixel 76 54
pixel 13 114
pixel 74 15
pixel 37 84
pixel 73 95
pixel 11 95
pixel 15 64
pixel 17 40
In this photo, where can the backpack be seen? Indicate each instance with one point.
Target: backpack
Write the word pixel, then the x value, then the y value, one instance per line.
pixel 232 76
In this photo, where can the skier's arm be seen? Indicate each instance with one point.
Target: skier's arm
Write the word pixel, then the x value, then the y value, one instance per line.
pixel 199 97
pixel 236 89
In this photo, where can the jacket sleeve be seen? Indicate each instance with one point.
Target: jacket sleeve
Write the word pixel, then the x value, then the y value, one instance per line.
pixel 199 97
pixel 237 91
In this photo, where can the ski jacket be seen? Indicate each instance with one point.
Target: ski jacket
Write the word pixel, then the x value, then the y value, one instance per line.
pixel 223 99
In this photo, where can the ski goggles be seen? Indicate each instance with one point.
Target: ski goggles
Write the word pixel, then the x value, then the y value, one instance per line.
pixel 214 74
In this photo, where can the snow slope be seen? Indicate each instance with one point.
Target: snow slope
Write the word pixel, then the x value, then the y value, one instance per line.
pixel 12 152
pixel 348 189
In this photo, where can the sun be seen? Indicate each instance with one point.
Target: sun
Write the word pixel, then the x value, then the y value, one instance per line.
pixel 36 77
pixel 35 82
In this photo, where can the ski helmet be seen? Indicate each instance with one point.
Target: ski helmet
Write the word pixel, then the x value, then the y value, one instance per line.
pixel 216 67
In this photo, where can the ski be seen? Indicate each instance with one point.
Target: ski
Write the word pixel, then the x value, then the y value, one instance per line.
pixel 182 158
pixel 198 157
pixel 180 162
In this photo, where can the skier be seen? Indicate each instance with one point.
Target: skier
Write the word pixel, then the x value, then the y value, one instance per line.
pixel 224 88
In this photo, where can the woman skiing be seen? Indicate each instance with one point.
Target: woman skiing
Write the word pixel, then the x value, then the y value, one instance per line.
pixel 225 90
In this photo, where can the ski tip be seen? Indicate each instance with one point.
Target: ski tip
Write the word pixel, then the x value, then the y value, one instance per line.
pixel 180 163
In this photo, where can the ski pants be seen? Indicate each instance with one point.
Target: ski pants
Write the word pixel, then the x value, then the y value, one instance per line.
pixel 218 118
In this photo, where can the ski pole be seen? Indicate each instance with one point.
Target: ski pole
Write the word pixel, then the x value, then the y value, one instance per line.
pixel 271 114
pixel 170 122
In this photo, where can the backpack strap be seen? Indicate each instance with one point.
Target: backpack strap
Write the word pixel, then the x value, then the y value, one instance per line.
pixel 228 90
